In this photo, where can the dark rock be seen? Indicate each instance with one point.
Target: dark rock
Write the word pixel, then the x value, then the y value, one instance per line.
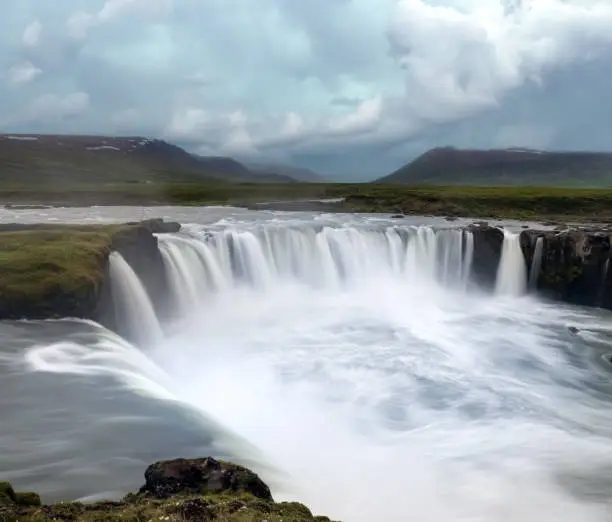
pixel 488 243
pixel 7 494
pixel 451 218
pixel 140 249
pixel 8 497
pixel 573 330
pixel 196 509
pixel 574 265
pixel 204 475
pixel 398 216
pixel 159 226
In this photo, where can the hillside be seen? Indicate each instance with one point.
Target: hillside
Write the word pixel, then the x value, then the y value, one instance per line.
pixel 525 167
pixel 69 159
pixel 296 173
pixel 236 171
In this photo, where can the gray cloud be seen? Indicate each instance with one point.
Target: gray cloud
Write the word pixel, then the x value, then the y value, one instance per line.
pixel 350 87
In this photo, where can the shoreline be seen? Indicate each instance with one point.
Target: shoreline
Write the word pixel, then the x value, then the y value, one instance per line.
pixel 545 204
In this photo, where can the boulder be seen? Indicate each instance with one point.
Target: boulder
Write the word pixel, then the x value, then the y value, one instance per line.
pixel 201 476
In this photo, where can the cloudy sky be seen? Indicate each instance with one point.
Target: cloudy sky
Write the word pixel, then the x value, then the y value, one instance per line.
pixel 352 88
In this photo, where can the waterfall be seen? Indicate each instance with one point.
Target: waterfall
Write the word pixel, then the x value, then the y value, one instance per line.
pixel 134 312
pixel 602 284
pixel 319 256
pixel 512 272
pixel 536 263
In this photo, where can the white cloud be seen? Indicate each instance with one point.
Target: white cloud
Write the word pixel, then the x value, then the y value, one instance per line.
pixel 31 35
pixel 22 73
pixel 52 106
pixel 322 81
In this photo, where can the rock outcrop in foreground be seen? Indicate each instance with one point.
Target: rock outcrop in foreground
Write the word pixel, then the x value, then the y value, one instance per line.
pixel 181 490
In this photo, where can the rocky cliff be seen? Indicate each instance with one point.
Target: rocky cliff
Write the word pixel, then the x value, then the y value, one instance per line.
pixel 55 271
pixel 573 265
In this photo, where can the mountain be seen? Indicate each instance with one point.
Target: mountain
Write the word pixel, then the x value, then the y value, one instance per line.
pixel 449 166
pixel 50 158
pixel 235 171
pixel 297 173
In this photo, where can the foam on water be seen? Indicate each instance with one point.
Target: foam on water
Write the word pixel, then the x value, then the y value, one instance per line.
pixel 360 364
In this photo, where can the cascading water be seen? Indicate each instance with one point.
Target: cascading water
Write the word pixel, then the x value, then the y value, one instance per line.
pixel 512 272
pixel 320 257
pixel 134 312
pixel 536 263
pixel 360 364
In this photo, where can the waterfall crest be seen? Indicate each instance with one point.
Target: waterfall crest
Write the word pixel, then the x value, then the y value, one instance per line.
pixel 134 311
pixel 319 257
pixel 512 272
pixel 536 263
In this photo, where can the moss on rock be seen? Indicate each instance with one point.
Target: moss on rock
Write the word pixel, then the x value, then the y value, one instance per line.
pixel 251 502
pixel 58 271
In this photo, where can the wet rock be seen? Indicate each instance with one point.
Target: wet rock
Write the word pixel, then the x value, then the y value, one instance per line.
pixel 159 226
pixel 205 475
pixel 573 330
pixel 451 218
pixel 574 265
pixel 488 243
pixel 398 216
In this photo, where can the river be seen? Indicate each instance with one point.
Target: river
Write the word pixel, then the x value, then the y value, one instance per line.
pixel 349 359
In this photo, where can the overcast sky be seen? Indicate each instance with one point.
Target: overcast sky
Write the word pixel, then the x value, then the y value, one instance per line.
pixel 353 88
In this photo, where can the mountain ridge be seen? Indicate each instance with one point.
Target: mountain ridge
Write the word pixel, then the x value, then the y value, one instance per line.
pixel 71 158
pixel 511 166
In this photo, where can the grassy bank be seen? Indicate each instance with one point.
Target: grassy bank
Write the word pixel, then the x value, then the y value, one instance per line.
pixel 39 267
pixel 528 203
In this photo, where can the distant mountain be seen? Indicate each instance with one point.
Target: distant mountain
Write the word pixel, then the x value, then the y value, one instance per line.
pixel 515 166
pixel 296 173
pixel 235 171
pixel 47 158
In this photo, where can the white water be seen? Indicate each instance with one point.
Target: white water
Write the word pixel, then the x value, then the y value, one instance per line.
pixel 536 263
pixel 133 309
pixel 512 271
pixel 360 365
pixel 321 257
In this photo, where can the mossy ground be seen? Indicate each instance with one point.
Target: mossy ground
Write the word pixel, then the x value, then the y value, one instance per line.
pixel 36 263
pixel 136 508
pixel 528 203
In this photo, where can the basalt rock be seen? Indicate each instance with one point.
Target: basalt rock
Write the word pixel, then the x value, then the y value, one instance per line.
pixel 202 476
pixel 574 265
pixel 488 243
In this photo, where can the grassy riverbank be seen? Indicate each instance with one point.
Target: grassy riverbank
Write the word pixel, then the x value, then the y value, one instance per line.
pixel 527 203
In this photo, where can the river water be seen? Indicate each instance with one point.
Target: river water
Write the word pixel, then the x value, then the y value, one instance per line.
pixel 348 359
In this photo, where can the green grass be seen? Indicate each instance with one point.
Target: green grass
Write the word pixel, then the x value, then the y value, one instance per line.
pixel 530 203
pixel 47 271
pixel 181 508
